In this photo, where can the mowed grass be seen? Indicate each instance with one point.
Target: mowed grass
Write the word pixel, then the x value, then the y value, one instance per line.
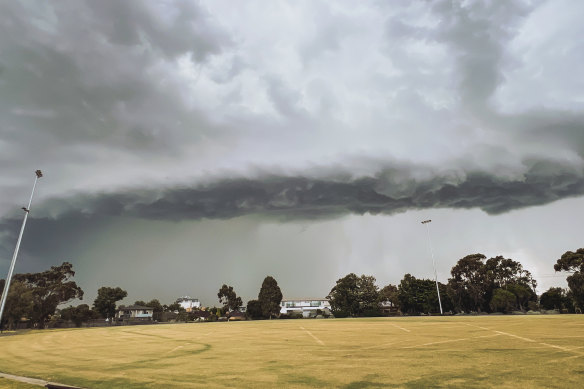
pixel 410 352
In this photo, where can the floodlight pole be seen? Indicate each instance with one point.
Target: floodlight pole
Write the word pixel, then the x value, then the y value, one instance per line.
pixel 39 174
pixel 426 222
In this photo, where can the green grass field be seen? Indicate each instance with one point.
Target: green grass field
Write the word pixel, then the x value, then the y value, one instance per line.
pixel 479 351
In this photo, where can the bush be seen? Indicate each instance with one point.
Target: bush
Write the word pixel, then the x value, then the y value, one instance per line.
pixel 533 306
pixel 212 317
pixel 502 301
pixel 339 313
pixel 254 310
pixel 291 315
pixel 372 312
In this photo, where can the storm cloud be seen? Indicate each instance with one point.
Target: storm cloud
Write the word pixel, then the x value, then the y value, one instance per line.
pixel 294 197
pixel 284 113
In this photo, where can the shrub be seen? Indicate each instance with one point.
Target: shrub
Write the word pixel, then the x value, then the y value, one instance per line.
pixel 502 301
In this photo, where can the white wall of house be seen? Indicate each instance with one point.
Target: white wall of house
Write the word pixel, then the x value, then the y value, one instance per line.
pixel 189 303
pixel 135 313
pixel 307 306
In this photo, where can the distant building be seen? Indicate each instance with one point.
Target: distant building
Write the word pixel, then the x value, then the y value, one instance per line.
pixel 135 312
pixel 307 306
pixel 387 308
pixel 189 303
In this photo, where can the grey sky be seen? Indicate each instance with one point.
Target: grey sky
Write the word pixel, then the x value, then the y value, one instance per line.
pixel 187 144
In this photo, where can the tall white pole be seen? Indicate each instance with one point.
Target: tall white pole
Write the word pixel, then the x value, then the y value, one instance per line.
pixel 39 174
pixel 426 222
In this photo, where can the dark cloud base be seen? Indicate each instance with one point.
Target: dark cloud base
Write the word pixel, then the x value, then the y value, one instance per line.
pixel 298 197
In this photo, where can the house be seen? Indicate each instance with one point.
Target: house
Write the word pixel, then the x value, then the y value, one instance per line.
pixel 235 316
pixel 307 306
pixel 189 303
pixel 135 312
pixel 201 315
pixel 388 309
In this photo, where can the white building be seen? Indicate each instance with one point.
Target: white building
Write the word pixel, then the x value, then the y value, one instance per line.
pixel 189 303
pixel 307 306
pixel 135 312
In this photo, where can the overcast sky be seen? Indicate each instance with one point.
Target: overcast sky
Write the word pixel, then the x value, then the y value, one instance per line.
pixel 188 144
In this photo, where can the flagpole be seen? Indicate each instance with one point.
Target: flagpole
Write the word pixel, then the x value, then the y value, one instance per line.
pixel 39 174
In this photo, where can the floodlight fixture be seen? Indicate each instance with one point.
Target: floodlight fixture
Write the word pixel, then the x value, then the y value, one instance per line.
pixel 426 222
pixel 26 210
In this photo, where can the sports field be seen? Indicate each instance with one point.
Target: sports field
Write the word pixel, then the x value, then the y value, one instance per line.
pixel 466 351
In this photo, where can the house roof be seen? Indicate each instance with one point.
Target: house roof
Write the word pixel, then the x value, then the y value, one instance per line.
pixel 307 299
pixel 134 308
pixel 186 298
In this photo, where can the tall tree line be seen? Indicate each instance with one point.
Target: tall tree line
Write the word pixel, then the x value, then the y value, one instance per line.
pixel 477 284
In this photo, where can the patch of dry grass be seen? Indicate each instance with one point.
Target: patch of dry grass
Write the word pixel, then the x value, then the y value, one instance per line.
pixel 8 384
pixel 493 351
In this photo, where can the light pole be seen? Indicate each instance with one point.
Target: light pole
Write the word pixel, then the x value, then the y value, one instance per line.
pixel 39 174
pixel 426 222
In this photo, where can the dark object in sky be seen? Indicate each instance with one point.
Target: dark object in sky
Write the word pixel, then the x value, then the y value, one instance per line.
pixel 39 174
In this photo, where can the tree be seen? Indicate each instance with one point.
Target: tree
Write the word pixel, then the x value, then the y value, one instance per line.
pixel 573 262
pixel 368 295
pixel 355 296
pixel 175 307
pixel 105 302
pixel 576 285
pixel 469 283
pixel 523 295
pixel 270 297
pixel 254 309
pixel 389 293
pixel 79 314
pixel 157 307
pixel 420 295
pixel 474 281
pixel 344 296
pixel 503 271
pixel 228 298
pixel 555 298
pixel 50 289
pixel 502 301
pixel 19 304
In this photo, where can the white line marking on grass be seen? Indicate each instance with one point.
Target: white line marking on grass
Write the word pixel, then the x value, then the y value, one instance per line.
pixel 33 381
pixel 518 337
pixel 432 343
pixel 486 336
pixel 381 345
pixel 564 359
pixel 558 347
pixel 576 348
pixel 28 380
pixel 570 350
pixel 451 341
pixel 315 338
pixel 401 328
pixel 482 328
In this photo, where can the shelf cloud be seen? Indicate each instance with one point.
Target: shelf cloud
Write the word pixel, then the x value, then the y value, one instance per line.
pixel 301 112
